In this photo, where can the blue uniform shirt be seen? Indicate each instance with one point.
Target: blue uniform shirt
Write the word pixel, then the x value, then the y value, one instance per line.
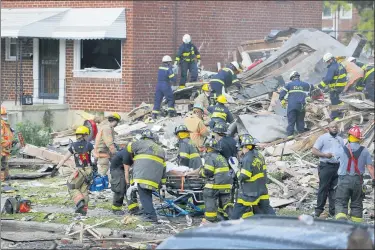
pixel 297 92
pixel 335 77
pixel 226 76
pixel 166 75
pixel 187 52
pixel 220 111
pixel 328 144
pixel 363 160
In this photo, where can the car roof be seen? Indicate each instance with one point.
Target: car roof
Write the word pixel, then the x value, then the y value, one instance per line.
pixel 266 232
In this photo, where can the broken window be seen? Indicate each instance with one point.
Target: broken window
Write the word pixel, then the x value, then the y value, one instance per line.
pixel 101 54
pixel 327 12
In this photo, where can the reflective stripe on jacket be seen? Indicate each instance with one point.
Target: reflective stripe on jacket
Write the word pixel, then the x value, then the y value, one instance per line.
pixel 166 75
pixel 188 154
pixel 216 172
pixel 336 76
pixel 220 111
pixel 187 52
pixel 226 77
pixel 149 163
pixel 6 138
pixel 252 178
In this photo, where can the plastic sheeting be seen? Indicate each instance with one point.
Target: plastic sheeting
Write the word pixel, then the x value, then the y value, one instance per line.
pixel 265 128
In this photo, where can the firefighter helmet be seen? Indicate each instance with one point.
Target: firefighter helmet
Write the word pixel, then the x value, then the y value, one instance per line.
pixel 186 38
pixel 351 59
pixel 82 130
pixel 115 116
pixel 328 56
pixel 180 128
pixel 166 59
pixel 3 110
pixel 220 128
pixel 222 99
pixel 236 66
pixel 355 131
pixel 293 75
pixel 247 140
pixel 206 87
pixel 212 143
pixel 198 106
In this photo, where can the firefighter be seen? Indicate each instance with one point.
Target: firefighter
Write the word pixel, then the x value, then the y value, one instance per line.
pixel 219 112
pixel 354 158
pixel 188 155
pixel 217 190
pixel 297 93
pixel 120 180
pixel 149 171
pixel 105 148
pixel 225 78
pixel 206 98
pixel 252 180
pixel 335 80
pixel 80 180
pixel 189 58
pixel 367 83
pixel 6 143
pixel 194 123
pixel 166 77
pixel 227 144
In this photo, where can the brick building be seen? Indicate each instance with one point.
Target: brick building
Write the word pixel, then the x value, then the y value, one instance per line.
pixel 54 69
pixel 343 21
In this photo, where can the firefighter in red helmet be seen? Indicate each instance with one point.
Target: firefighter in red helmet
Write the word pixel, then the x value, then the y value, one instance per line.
pixel 354 158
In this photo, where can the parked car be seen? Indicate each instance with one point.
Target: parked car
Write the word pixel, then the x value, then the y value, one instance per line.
pixel 267 232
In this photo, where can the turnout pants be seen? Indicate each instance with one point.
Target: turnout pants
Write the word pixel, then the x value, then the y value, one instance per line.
pixel 327 184
pixel 163 89
pixel 369 87
pixel 334 95
pixel 349 188
pixel 215 201
pixel 118 187
pixel 264 207
pixel 296 117
pixel 241 211
pixel 4 168
pixel 192 68
pixel 217 87
pixel 81 192
pixel 145 195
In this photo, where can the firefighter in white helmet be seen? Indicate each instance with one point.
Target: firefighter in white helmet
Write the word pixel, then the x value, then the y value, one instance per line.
pixel 335 80
pixel 189 58
pixel 166 78
pixel 225 78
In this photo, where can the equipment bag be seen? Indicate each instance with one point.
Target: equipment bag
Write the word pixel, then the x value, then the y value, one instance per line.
pixel 16 204
pixel 97 184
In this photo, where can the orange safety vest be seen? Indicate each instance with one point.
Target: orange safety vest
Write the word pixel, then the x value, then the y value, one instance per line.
pixel 6 138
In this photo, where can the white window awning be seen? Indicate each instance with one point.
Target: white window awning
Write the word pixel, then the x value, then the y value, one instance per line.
pixel 64 23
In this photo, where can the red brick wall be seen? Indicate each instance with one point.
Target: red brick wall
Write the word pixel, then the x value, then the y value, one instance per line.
pixel 217 27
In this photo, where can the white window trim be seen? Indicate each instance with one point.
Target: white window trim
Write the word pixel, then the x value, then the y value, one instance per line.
pixel 77 72
pixel 7 50
pixel 341 15
pixel 327 17
pixel 62 69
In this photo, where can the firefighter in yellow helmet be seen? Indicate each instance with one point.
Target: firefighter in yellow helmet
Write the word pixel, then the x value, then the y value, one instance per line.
pixel 6 143
pixel 206 98
pixel 80 180
pixel 105 147
pixel 219 112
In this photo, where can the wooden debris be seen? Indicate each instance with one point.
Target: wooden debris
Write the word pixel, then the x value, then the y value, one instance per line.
pixel 276 202
pixel 299 203
pixel 284 188
pixel 81 232
pixel 98 224
pixel 26 162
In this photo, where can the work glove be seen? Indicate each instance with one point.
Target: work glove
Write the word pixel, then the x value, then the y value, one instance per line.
pixel 239 86
pixel 163 188
pixel 308 99
pixel 198 63
pixel 283 103
pixel 175 64
pixel 175 69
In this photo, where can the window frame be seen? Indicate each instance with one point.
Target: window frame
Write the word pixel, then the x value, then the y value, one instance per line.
pixel 78 72
pixel 341 13
pixel 327 17
pixel 8 43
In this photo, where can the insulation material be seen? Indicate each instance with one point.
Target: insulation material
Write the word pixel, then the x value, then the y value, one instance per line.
pixel 265 128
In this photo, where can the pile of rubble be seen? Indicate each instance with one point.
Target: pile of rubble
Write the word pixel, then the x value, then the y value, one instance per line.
pixel 292 169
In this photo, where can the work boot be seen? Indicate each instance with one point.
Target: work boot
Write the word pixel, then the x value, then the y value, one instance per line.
pixel 146 218
pixel 171 113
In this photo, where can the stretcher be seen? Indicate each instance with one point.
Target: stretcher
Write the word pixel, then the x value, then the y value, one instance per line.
pixel 187 197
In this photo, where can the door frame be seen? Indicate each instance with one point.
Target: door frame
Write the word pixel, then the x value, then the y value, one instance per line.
pixel 62 73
